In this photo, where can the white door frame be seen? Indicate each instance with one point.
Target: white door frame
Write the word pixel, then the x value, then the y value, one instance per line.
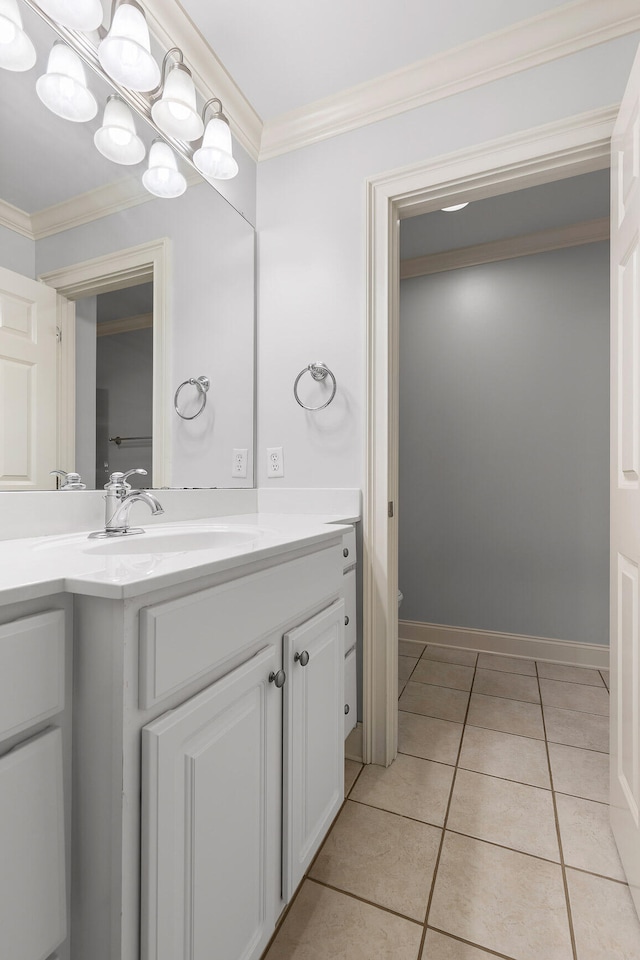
pixel 567 148
pixel 116 271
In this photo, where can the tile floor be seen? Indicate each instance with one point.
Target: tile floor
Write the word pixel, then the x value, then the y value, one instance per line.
pixel 488 837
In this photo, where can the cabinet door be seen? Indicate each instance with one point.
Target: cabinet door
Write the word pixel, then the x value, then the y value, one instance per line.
pixel 211 819
pixel 313 738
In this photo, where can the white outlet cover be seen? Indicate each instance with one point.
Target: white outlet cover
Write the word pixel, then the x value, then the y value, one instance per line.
pixel 275 462
pixel 239 463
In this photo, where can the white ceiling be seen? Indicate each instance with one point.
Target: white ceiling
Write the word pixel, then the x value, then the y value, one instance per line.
pixel 289 53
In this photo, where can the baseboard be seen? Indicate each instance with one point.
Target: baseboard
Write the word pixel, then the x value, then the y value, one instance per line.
pixel 353 745
pixel 510 644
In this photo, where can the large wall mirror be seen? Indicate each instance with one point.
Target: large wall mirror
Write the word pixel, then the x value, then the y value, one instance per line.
pixel 110 300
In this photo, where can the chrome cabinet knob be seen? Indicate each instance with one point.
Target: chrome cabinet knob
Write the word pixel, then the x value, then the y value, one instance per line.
pixel 346 708
pixel 302 658
pixel 278 678
pixel 345 552
pixel 346 621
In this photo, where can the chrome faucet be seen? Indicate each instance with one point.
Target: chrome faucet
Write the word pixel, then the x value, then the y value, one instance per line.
pixel 118 502
pixel 70 481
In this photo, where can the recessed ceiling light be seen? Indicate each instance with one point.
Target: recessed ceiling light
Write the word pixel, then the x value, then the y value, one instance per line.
pixel 456 206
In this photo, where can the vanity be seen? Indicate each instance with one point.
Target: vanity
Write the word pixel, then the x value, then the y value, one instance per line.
pixel 191 704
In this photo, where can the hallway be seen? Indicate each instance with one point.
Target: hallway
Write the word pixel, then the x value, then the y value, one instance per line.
pixel 488 836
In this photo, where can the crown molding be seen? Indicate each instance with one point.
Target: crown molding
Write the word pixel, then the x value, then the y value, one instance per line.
pixel 510 248
pixel 15 219
pixel 529 43
pixel 172 26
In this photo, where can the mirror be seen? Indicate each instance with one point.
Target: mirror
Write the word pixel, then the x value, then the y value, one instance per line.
pixel 87 228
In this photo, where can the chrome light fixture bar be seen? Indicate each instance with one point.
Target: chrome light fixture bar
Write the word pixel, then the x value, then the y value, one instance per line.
pixel 140 102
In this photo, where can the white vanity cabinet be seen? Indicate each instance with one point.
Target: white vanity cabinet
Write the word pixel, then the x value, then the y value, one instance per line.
pixel 349 558
pixel 208 783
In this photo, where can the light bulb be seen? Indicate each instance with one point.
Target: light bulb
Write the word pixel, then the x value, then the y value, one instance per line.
pixel 125 51
pixel 85 15
pixel 117 139
pixel 175 112
pixel 214 158
pixel 456 206
pixel 163 179
pixel 63 88
pixel 17 53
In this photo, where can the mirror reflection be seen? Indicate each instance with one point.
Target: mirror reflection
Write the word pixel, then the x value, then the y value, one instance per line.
pixel 138 295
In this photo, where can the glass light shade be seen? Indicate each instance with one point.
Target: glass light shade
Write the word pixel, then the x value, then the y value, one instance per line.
pixel 82 15
pixel 63 88
pixel 214 158
pixel 125 51
pixel 456 206
pixel 163 179
pixel 117 139
pixel 176 113
pixel 17 53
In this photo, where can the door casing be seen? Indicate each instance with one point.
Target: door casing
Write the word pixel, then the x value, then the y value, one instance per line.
pixel 577 145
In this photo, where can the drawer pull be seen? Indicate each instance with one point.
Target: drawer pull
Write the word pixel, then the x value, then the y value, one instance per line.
pixel 346 621
pixel 346 708
pixel 278 678
pixel 302 658
pixel 345 552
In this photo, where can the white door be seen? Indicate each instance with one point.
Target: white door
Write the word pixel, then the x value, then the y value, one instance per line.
pixel 28 397
pixel 211 782
pixel 625 482
pixel 313 738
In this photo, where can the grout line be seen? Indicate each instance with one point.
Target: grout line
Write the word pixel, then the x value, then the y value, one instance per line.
pixel 559 837
pixel 370 903
pixel 394 813
pixel 481 727
pixel 444 824
pixel 559 743
pixel 432 716
pixel 440 686
pixel 470 943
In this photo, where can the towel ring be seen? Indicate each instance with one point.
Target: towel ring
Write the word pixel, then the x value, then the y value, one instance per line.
pixel 319 371
pixel 203 384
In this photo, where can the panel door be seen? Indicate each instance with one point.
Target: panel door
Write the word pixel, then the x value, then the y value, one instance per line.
pixel 28 390
pixel 211 805
pixel 313 738
pixel 625 482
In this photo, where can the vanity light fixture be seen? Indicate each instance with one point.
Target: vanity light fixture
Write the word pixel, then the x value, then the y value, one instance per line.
pixel 125 52
pixel 85 15
pixel 214 158
pixel 117 139
pixel 175 112
pixel 17 53
pixel 162 178
pixel 456 206
pixel 63 88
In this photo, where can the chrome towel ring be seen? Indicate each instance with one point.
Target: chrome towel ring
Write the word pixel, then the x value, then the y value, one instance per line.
pixel 202 384
pixel 319 371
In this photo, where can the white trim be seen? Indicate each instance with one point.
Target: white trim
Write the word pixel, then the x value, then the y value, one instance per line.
pixel 115 271
pixel 172 27
pixel 530 43
pixel 15 219
pixel 509 644
pixel 109 328
pixel 542 241
pixel 576 145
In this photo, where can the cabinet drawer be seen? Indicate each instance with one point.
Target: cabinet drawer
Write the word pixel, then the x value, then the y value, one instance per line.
pixel 31 671
pixel 182 640
pixel 349 554
pixel 33 909
pixel 350 621
pixel 350 693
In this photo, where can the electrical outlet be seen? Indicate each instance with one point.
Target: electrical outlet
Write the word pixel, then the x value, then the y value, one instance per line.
pixel 275 462
pixel 239 463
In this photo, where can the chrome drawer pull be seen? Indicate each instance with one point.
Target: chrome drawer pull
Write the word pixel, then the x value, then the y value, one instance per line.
pixel 278 678
pixel 302 658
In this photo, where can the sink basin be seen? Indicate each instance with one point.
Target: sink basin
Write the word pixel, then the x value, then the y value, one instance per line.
pixel 173 541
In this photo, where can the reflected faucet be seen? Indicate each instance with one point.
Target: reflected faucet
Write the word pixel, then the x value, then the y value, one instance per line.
pixel 118 502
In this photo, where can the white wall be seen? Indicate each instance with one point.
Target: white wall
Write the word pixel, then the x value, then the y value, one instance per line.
pixel 311 229
pixel 85 465
pixel 211 317
pixel 504 446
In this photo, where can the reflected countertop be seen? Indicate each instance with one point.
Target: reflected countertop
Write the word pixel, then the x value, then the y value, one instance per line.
pixel 72 563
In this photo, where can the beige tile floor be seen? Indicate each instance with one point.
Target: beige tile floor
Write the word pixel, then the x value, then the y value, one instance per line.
pixel 487 837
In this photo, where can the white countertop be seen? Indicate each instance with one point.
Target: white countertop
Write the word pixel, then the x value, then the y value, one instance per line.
pixel 38 566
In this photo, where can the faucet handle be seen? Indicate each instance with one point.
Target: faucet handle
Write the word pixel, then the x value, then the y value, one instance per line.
pixel 71 481
pixel 118 481
pixel 139 470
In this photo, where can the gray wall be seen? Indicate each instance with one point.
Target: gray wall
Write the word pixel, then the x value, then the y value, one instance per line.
pixel 504 446
pixel 86 311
